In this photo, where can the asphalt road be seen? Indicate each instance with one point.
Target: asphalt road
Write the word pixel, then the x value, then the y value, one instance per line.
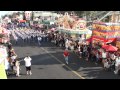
pixel 48 63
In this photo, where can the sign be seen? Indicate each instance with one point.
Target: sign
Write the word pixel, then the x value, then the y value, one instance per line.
pixel 2 71
pixel 3 55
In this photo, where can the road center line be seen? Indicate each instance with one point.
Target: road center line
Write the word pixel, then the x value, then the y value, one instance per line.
pixel 63 64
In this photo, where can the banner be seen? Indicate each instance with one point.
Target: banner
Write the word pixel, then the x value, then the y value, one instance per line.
pixel 99 34
pixel 107 28
pixel 2 71
pixel 3 55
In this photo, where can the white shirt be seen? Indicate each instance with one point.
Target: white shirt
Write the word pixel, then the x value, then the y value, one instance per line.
pixel 79 48
pixel 3 53
pixel 117 63
pixel 104 55
pixel 39 38
pixel 27 61
pixel 7 65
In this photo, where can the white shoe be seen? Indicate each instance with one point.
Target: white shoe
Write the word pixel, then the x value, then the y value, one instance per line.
pixel 27 73
pixel 30 73
pixel 66 62
pixel 115 72
pixel 18 75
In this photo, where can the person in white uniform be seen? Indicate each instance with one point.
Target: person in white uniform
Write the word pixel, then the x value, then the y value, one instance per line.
pixel 39 40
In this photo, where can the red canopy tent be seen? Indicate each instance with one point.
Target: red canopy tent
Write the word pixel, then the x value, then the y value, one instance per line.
pixel 110 40
pixel 104 46
pixel 110 48
pixel 89 40
pixel 101 39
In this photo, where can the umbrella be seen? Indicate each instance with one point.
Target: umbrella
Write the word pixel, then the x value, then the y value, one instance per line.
pixel 110 48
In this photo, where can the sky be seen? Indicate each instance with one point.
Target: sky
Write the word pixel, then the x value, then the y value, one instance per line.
pixel 5 12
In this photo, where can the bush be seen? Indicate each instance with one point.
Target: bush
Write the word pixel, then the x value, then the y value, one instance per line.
pixel 1 35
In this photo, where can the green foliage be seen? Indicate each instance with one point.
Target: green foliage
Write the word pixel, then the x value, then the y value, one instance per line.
pixel 4 16
pixel 32 17
pixel 1 35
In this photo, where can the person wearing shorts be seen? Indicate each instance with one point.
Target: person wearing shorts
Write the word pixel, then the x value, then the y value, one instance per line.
pixel 28 68
pixel 28 65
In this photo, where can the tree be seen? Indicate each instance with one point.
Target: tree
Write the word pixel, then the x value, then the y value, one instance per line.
pixel 10 16
pixel 24 18
pixel 14 15
pixel 32 16
pixel 18 13
pixel 3 17
pixel 79 13
pixel 1 35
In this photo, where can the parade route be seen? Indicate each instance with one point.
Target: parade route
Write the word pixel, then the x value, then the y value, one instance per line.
pixel 48 63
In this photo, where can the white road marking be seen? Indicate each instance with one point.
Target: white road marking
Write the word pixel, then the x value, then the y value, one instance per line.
pixel 63 64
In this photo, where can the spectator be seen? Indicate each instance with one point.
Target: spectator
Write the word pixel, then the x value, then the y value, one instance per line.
pixel 104 56
pixel 39 40
pixel 117 64
pixel 28 65
pixel 17 65
pixel 66 56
